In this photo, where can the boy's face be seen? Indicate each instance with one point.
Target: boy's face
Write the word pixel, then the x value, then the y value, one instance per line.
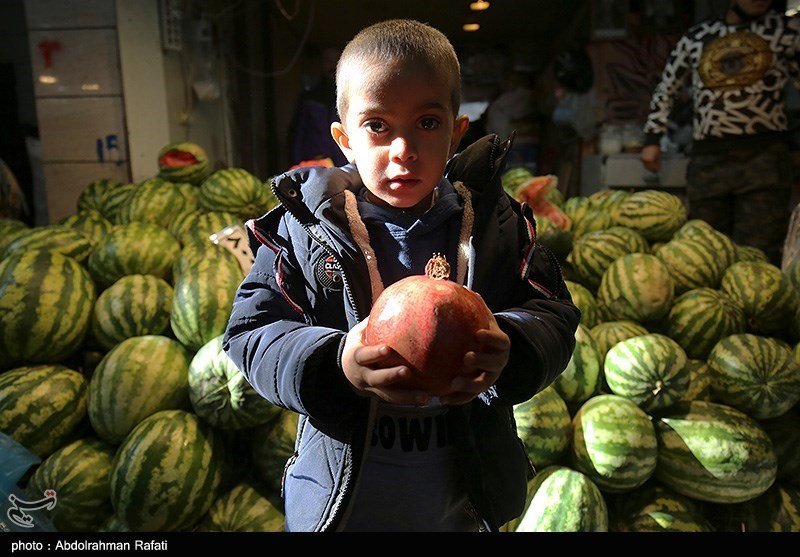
pixel 400 130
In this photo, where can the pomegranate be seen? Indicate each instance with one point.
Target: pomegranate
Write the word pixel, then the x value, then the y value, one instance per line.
pixel 430 321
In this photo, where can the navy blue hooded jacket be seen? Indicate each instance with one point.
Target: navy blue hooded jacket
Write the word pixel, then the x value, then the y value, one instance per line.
pixel 310 283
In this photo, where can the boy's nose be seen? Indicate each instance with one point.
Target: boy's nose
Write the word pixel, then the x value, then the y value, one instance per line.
pixel 402 149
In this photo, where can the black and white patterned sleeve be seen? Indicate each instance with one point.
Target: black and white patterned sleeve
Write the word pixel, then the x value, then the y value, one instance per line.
pixel 675 75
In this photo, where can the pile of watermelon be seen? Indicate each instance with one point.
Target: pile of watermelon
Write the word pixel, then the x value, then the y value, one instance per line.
pixel 678 411
pixel 112 372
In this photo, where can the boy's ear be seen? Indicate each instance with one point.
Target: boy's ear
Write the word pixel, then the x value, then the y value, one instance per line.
pixel 342 140
pixel 459 129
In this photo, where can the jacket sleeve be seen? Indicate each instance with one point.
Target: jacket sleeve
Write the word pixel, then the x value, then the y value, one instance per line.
pixel 675 75
pixel 291 363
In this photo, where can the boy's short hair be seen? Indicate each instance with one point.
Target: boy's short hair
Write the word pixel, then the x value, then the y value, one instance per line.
pixel 400 40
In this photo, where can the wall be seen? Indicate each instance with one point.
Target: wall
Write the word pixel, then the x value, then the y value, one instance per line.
pixel 108 96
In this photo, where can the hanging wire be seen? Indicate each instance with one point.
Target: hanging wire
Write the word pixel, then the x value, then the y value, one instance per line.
pixel 279 5
pixel 295 56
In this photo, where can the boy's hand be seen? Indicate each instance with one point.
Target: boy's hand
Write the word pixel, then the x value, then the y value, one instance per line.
pixel 370 371
pixel 488 362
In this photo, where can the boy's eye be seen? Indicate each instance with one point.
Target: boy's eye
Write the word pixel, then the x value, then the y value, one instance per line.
pixel 375 126
pixel 429 123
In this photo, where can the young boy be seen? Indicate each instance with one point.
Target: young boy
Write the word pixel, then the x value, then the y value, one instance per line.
pixel 370 455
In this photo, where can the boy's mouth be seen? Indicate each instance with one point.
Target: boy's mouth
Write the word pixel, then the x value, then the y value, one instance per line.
pixel 405 181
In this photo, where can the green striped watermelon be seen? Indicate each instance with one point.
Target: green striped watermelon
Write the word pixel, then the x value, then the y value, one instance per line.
pixel 775 510
pixel 183 161
pixel 613 443
pixel 586 302
pixel 545 427
pixel 244 508
pixel 768 298
pixel 591 221
pixel 749 253
pixel 135 305
pixel 46 301
pixel 756 374
pixel 197 226
pixel 10 230
pixel 115 200
pixel 202 301
pixel 237 191
pixel 60 238
pixel 93 195
pixel 721 245
pixel 166 473
pixel 561 499
pixel 657 508
pixel 699 381
pixel 701 317
pixel 135 379
pixel 580 380
pixel 272 446
pixel 220 394
pixel 156 201
pixel 79 473
pixel 713 452
pixel 784 432
pixel 652 370
pixel 609 333
pixel 692 263
pixel 135 248
pixel 200 250
pixel 607 200
pixel 42 406
pixel 89 222
pixel 656 214
pixel 514 178
pixel 637 287
pixel 596 251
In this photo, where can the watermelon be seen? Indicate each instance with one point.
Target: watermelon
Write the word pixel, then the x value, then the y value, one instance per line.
pixel 115 201
pixel 594 252
pixel 42 406
pixel 272 446
pixel 90 223
pixel 701 317
pixel 202 301
pixel 656 214
pixel 246 507
pixel 756 374
pixel 135 248
pixel 699 381
pixel 46 301
pixel 591 221
pixel 79 473
pixel 166 473
pixel 586 302
pixel 60 238
pixel 135 305
pixel 656 508
pixel 10 230
pixel 237 191
pixel 637 287
pixel 609 333
pixel 607 200
pixel 220 394
pixel 581 378
pixel 775 510
pixel 713 452
pixel 768 298
pixel 561 499
pixel 183 161
pixel 692 263
pixel 613 443
pixel 784 432
pixel 514 178
pixel 545 427
pixel 135 379
pixel 199 225
pixel 652 370
pixel 158 202
pixel 93 195
pixel 750 253
pixel 198 251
